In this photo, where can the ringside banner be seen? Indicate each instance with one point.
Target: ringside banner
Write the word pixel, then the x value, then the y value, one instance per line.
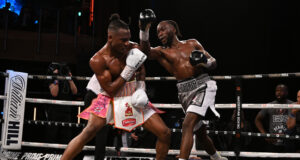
pixel 14 106
pixel 20 155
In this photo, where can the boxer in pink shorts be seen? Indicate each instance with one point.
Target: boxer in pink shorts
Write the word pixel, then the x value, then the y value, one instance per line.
pixel 119 70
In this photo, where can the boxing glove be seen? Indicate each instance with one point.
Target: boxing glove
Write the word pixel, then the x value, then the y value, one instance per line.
pixel 146 16
pixel 134 60
pixel 197 57
pixel 139 99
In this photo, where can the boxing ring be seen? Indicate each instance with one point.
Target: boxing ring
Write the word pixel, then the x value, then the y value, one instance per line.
pixel 15 153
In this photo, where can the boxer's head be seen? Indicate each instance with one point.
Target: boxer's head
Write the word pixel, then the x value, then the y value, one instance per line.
pixel 167 30
pixel 281 92
pixel 118 34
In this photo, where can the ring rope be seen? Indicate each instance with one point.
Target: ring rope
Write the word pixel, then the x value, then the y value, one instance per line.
pixel 173 130
pixel 233 106
pixel 50 101
pixel 168 106
pixel 55 123
pixel 223 153
pixel 247 134
pixel 171 151
pixel 226 77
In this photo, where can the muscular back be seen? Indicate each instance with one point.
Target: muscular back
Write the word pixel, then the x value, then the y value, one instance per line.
pixel 175 59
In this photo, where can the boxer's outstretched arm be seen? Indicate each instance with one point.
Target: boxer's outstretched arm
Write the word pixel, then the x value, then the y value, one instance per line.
pixel 152 53
pixel 145 47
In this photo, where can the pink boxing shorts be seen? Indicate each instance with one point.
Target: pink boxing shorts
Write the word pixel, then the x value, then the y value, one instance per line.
pixel 99 107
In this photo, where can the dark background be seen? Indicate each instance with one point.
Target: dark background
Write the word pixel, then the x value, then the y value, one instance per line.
pixel 245 36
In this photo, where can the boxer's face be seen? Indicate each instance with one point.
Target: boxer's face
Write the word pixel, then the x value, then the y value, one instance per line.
pixel 119 40
pixel 165 32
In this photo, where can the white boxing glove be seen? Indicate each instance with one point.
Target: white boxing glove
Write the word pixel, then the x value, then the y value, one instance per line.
pixel 134 60
pixel 139 99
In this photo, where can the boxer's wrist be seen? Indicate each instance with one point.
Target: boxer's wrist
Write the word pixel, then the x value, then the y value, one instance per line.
pixel 127 73
pixel 141 85
pixel 144 35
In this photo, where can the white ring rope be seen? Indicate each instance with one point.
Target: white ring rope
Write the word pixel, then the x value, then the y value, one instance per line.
pixel 174 130
pixel 50 101
pixel 226 77
pixel 171 151
pixel 168 106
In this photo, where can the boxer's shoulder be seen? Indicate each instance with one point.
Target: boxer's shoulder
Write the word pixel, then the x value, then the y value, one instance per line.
pixel 97 57
pixel 98 61
pixel 191 41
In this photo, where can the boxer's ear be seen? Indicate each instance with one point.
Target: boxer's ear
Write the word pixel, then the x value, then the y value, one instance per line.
pixel 109 37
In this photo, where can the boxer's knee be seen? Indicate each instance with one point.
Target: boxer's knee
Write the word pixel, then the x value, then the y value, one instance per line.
pixel 187 125
pixel 190 120
pixel 165 134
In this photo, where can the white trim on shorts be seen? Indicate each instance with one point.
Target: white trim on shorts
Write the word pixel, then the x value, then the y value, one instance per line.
pixel 208 102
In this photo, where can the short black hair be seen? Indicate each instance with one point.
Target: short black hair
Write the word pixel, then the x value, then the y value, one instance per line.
pixel 116 23
pixel 175 25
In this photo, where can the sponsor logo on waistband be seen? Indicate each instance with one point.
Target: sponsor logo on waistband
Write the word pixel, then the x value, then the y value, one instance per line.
pixel 129 122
